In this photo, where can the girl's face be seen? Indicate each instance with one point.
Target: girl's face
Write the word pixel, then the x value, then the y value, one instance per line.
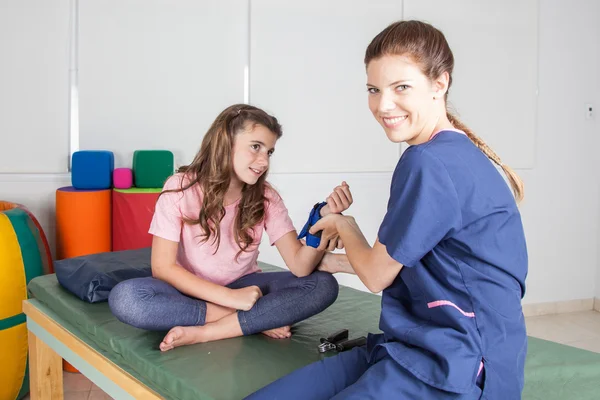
pixel 252 149
pixel 406 103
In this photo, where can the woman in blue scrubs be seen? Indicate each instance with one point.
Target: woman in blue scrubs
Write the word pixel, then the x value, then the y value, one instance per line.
pixel 450 256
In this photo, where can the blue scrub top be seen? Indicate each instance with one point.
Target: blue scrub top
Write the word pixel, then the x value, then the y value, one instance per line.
pixel 453 222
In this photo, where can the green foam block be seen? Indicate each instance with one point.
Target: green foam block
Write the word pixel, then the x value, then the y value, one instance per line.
pixel 139 190
pixel 151 168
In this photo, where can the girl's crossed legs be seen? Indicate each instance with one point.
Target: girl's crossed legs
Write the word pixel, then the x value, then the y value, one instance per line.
pixel 152 304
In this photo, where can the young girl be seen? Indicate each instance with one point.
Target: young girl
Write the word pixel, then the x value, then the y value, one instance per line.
pixel 450 256
pixel 207 227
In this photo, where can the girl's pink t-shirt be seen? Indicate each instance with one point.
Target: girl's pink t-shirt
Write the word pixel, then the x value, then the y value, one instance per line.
pixel 200 257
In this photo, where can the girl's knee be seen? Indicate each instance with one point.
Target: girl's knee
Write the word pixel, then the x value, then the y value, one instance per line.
pixel 125 301
pixel 119 298
pixel 327 287
pixel 123 292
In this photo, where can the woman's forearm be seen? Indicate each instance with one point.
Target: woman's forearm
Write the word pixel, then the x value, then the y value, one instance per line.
pixel 373 265
pixel 357 249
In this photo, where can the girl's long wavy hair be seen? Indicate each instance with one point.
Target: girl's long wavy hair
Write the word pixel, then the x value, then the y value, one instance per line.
pixel 428 48
pixel 212 169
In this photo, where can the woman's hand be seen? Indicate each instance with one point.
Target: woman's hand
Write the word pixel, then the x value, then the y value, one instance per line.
pixel 244 298
pixel 329 231
pixel 338 201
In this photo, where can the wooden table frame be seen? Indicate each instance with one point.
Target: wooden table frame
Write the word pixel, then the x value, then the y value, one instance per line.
pixel 50 342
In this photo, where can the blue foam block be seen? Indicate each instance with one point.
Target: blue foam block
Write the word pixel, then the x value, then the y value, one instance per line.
pixel 92 169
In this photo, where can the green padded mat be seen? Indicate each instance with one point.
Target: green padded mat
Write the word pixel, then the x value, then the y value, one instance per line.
pixel 234 368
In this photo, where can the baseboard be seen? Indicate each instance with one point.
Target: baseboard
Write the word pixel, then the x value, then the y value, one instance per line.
pixel 561 307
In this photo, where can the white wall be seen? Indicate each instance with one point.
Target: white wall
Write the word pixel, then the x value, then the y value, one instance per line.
pixel 593 72
pixel 34 85
pixel 155 76
pixel 561 212
pixel 561 208
pixel 503 47
pixel 319 82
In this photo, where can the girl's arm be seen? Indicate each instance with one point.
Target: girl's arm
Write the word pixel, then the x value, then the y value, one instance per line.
pixel 335 263
pixel 373 265
pixel 165 268
pixel 301 260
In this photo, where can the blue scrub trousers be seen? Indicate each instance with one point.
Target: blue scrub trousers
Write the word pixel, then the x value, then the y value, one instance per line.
pixel 349 375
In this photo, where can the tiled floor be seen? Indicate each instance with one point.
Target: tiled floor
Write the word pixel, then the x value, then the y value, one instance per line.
pixel 78 387
pixel 580 329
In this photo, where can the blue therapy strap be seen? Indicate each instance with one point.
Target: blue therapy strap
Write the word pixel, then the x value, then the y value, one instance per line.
pixel 314 216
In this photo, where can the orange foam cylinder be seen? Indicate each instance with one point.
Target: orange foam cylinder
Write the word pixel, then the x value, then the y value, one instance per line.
pixel 83 226
pixel 83 222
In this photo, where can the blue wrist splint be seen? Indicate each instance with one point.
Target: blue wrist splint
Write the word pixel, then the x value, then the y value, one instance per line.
pixel 315 215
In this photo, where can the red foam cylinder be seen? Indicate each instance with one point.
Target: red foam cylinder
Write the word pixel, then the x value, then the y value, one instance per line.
pixel 132 213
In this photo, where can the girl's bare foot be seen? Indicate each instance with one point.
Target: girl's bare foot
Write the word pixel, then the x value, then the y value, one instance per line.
pixel 181 336
pixel 278 333
pixel 225 328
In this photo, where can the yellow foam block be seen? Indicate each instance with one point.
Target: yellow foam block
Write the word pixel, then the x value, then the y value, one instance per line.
pixel 13 285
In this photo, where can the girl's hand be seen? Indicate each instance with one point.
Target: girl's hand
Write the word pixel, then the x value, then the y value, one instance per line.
pixel 245 298
pixel 329 233
pixel 338 201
